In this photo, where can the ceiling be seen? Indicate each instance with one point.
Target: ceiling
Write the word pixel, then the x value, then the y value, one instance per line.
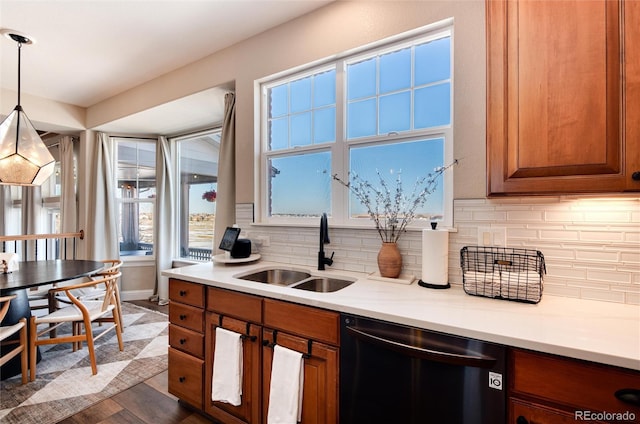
pixel 86 51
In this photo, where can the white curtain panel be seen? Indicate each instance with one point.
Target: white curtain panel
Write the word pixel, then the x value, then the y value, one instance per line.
pixel 226 198
pixel 31 221
pixel 101 234
pixel 165 231
pixel 68 202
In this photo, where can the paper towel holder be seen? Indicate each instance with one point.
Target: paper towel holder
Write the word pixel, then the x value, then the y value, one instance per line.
pixel 433 286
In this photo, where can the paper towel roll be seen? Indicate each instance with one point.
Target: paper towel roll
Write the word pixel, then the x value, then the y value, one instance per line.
pixel 435 257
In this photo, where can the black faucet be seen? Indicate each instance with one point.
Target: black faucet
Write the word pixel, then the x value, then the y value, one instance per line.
pixel 324 239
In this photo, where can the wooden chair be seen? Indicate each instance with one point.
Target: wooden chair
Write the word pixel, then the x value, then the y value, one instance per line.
pixel 81 315
pixel 9 330
pixel 111 266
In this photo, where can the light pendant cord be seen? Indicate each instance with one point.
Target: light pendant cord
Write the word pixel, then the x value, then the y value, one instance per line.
pixel 19 48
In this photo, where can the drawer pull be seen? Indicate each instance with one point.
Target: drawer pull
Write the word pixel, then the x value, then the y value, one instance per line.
pixel 521 420
pixel 183 317
pixel 629 396
pixel 182 379
pixel 183 341
pixel 183 293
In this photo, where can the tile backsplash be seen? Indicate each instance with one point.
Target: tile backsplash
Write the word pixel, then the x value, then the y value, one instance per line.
pixel 591 246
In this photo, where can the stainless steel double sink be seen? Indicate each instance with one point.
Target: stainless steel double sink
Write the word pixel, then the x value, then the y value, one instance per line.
pixel 297 279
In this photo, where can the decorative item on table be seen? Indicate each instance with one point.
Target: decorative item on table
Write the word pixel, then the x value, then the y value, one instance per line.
pixel 392 210
pixel 9 262
pixel 503 273
pixel 435 258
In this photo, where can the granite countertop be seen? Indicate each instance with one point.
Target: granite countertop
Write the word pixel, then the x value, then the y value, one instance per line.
pixel 603 332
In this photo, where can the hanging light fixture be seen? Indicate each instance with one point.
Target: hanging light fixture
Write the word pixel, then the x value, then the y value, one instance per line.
pixel 24 158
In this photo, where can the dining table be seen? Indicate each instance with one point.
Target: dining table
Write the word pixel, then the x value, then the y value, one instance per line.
pixel 33 274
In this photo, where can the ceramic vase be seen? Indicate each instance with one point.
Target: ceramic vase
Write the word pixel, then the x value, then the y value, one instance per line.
pixel 389 260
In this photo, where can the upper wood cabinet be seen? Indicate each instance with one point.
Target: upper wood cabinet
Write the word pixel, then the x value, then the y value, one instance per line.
pixel 563 96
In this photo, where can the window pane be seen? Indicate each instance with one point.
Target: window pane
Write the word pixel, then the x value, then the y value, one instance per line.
pixel 301 95
pixel 432 106
pixel 361 117
pixel 136 169
pixel 395 71
pixel 395 112
pixel 361 79
pixel 278 104
pixel 301 129
pixel 412 159
pixel 433 61
pixel 324 91
pixel 300 185
pixel 136 228
pixel 198 194
pixel 279 134
pixel 324 125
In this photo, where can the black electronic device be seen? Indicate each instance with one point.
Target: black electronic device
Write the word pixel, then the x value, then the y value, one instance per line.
pixel 229 238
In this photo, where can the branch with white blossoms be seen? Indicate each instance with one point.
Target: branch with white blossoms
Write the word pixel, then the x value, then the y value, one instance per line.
pixel 392 209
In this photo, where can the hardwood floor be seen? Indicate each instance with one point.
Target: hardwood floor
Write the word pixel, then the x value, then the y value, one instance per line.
pixel 146 403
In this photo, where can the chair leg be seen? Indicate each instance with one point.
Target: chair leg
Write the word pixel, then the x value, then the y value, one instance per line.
pixel 117 319
pixel 92 353
pixel 33 336
pixel 24 366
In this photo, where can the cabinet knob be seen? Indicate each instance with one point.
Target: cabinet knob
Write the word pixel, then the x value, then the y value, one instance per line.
pixel 521 420
pixel 183 341
pixel 635 176
pixel 183 317
pixel 629 396
pixel 182 379
pixel 183 293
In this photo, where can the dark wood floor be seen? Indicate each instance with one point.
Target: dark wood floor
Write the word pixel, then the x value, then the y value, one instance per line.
pixel 146 403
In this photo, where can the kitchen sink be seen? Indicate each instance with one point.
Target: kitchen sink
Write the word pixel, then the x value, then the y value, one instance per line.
pixel 323 284
pixel 277 276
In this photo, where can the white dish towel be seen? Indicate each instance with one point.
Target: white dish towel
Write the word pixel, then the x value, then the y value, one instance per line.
pixel 287 383
pixel 226 383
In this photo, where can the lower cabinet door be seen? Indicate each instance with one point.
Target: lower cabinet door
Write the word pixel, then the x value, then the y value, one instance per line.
pixel 249 409
pixel 521 412
pixel 320 392
pixel 185 377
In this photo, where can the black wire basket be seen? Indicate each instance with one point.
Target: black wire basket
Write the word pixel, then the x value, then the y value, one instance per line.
pixel 503 273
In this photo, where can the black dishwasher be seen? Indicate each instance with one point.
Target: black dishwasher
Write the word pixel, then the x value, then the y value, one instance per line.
pixel 391 373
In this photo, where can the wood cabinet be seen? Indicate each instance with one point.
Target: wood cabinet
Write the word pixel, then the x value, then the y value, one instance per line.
pixel 194 315
pixel 563 96
pixel 242 314
pixel 186 341
pixel 548 389
pixel 315 333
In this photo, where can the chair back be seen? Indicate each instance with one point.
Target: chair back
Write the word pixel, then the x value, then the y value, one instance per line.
pixel 110 282
pixel 4 305
pixel 111 266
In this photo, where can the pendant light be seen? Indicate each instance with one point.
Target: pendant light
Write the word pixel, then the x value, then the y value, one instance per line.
pixel 24 158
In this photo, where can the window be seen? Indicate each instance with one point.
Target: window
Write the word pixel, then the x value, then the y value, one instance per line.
pixel 385 111
pixel 136 192
pixel 198 180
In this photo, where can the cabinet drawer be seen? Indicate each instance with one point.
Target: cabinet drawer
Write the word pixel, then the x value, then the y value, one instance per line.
pixel 305 321
pixel 575 384
pixel 185 292
pixel 237 305
pixel 188 341
pixel 538 414
pixel 185 377
pixel 186 316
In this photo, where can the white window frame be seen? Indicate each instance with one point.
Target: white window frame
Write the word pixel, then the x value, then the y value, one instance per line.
pixel 340 148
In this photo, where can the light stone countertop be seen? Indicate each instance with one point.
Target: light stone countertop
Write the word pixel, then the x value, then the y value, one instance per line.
pixel 596 331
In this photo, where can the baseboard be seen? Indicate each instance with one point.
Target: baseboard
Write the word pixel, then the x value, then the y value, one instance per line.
pixel 136 294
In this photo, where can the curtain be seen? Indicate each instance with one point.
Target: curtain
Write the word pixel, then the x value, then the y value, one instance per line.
pixel 226 199
pixel 165 237
pixel 31 223
pixel 101 234
pixel 68 203
pixel 5 208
